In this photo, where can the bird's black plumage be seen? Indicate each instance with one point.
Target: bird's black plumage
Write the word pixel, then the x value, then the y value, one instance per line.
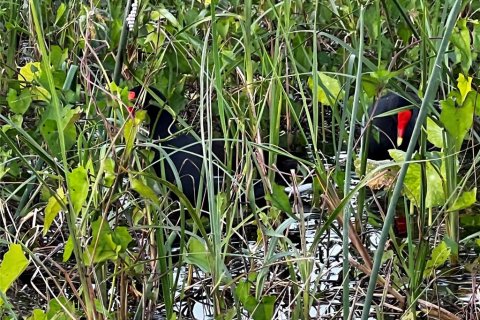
pixel 383 135
pixel 180 158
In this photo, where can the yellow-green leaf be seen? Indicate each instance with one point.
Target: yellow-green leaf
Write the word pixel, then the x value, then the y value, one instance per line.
pixel 52 209
pixel 434 133
pixel 328 90
pixel 198 255
pixel 465 200
pixel 440 255
pixel 464 85
pixel 68 250
pixel 19 104
pixel 78 185
pixel 144 190
pixel 13 264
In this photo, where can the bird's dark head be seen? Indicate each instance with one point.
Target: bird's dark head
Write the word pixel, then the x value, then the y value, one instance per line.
pixel 152 100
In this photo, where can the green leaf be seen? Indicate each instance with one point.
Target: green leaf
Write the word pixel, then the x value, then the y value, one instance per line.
pixel 19 104
pixel 167 15
pixel 31 74
pixel 440 255
pixel 122 238
pixel 242 291
pixel 198 255
pixel 68 250
pixel 464 85
pixel 60 11
pixel 78 187
pixel 130 130
pixel 279 199
pixel 49 129
pixel 465 200
pixel 434 133
pixel 57 307
pixel 145 191
pixel 223 24
pixel 404 32
pixel 13 264
pixel 413 180
pixel 110 175
pixel 106 244
pixel 102 247
pixel 264 310
pixel 458 121
pixel 330 84
pixel 38 314
pixel 58 57
pixel 52 209
pixel 372 23
pixel 461 40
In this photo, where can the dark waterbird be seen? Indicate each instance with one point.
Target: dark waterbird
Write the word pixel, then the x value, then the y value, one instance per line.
pixel 390 131
pixel 181 157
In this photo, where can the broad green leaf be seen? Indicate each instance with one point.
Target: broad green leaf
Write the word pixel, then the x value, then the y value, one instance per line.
pixel 122 238
pixel 250 304
pixel 29 72
pixel 223 24
pixel 130 130
pixel 13 264
pixel 27 75
pixel 38 314
pixel 198 255
pixel 330 84
pixel 110 175
pixel 52 210
pixel 458 120
pixel 68 250
pixel 279 199
pixel 19 104
pixel 383 75
pixel 242 291
pixel 49 129
pixel 464 85
pixel 440 255
pixel 370 85
pixel 461 40
pixel 435 183
pixel 4 166
pixel 106 244
pixel 404 32
pixel 57 58
pixel 102 246
pixel 451 244
pixel 58 307
pixel 145 191
pixel 434 133
pixel 465 200
pixel 78 185
pixel 265 309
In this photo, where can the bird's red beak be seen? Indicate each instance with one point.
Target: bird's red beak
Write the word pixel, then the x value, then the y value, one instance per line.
pixel 402 122
pixel 131 109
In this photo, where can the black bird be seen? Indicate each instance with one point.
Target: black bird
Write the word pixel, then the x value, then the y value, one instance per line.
pixel 181 156
pixel 391 131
